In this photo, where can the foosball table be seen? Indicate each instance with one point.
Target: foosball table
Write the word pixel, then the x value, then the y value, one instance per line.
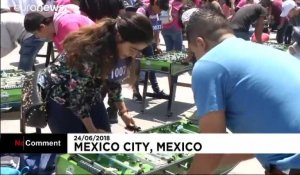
pixel 172 64
pixel 282 47
pixel 133 164
pixel 11 89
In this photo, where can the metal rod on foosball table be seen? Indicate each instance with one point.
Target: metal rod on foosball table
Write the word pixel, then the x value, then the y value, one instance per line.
pixel 142 160
pixel 169 172
pixel 82 159
pixel 145 91
pixel 120 163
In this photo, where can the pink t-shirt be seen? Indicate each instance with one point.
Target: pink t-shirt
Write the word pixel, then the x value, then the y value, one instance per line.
pixel 63 2
pixel 176 6
pixel 241 3
pixel 67 20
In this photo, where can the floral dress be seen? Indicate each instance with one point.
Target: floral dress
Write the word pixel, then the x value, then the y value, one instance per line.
pixel 76 90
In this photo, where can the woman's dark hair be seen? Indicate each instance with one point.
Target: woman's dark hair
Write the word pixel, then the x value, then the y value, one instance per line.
pixel 162 4
pixel 98 9
pixel 97 44
pixel 33 20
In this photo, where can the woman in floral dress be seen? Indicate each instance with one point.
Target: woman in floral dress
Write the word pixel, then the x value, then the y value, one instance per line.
pixel 76 80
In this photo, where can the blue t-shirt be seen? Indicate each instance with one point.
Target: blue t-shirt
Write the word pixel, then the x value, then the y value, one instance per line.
pixel 257 86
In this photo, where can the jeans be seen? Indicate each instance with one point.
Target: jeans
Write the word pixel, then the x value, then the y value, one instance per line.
pixel 244 35
pixel 173 39
pixel 148 52
pixel 284 34
pixel 288 34
pixel 28 52
pixel 62 120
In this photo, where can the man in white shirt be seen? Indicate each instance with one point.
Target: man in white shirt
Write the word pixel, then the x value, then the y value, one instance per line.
pixel 12 31
pixel 4 4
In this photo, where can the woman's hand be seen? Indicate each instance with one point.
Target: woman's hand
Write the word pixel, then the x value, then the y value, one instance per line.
pixel 128 120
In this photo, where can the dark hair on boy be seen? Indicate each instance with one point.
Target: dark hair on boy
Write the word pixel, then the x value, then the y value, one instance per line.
pixel 33 20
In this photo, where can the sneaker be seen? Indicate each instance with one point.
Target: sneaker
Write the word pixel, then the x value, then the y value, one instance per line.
pixel 137 97
pixel 161 94
pixel 112 115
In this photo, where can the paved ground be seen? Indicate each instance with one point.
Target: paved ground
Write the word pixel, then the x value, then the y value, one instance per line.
pixel 154 115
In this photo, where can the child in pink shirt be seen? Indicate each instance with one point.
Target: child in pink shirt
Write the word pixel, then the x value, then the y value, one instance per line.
pixel 66 2
pixel 63 2
pixel 55 26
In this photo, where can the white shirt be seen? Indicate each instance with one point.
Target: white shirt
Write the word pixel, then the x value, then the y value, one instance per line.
pixel 4 4
pixel 25 6
pixel 12 30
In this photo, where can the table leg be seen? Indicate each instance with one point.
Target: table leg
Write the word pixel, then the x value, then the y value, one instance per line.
pixel 22 123
pixel 172 94
pixel 49 54
pixel 145 90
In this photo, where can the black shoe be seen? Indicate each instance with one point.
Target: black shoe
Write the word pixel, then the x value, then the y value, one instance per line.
pixel 137 97
pixel 161 94
pixel 112 115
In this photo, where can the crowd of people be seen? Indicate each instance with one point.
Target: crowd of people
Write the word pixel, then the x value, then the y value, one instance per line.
pixel 238 82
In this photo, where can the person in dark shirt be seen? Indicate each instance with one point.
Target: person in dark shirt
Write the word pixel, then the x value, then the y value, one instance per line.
pixel 245 17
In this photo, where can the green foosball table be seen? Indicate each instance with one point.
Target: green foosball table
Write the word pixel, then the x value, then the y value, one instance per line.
pixel 282 47
pixel 11 89
pixel 172 64
pixel 133 164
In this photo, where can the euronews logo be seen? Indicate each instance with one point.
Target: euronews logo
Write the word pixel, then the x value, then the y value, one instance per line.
pixel 29 8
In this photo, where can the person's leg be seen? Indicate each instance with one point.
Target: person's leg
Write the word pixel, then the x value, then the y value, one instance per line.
pixel 148 51
pixel 7 44
pixel 5 51
pixel 178 40
pixel 29 49
pixel 62 120
pixel 136 96
pixel 288 34
pixel 100 117
pixel 167 35
pixel 280 35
